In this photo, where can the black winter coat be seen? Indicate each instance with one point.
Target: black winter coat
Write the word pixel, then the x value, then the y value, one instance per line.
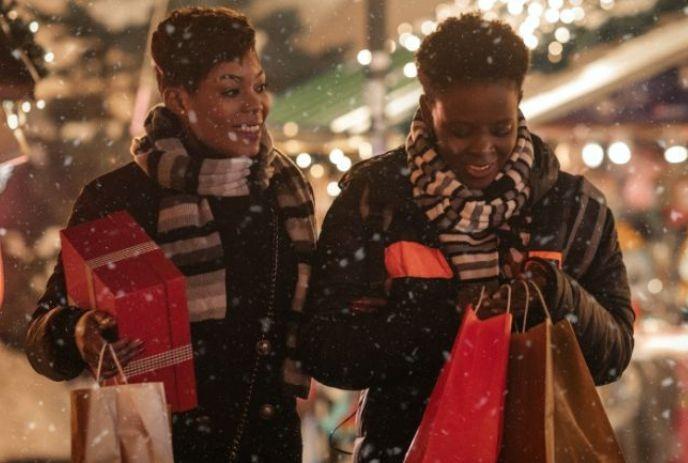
pixel 225 350
pixel 396 352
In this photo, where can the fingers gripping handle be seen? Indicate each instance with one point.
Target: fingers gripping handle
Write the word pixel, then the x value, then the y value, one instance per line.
pixel 101 357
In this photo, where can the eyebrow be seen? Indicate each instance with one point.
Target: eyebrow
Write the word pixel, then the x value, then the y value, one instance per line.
pixel 500 121
pixel 238 78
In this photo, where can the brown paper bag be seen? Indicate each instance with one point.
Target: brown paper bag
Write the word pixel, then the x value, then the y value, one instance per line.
pixel 528 425
pixel 127 423
pixel 582 429
pixel 552 409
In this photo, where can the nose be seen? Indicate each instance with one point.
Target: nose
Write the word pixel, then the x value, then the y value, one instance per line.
pixel 252 102
pixel 482 144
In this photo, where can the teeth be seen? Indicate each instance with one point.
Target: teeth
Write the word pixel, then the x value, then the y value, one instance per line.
pixel 480 168
pixel 249 128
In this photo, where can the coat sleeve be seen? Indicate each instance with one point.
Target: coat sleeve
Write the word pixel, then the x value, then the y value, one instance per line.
pixel 598 305
pixel 50 345
pixel 352 349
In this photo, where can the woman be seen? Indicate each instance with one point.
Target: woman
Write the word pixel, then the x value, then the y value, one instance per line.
pixel 236 216
pixel 470 201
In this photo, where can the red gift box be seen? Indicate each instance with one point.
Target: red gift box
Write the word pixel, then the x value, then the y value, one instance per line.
pixel 112 264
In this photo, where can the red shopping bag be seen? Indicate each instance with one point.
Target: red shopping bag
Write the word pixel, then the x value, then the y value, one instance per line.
pixel 463 419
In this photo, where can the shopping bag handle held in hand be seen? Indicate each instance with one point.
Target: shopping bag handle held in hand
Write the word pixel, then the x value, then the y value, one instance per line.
pixel 482 297
pixel 107 345
pixel 526 284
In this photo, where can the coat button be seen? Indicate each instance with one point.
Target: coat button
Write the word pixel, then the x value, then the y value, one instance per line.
pixel 267 411
pixel 263 347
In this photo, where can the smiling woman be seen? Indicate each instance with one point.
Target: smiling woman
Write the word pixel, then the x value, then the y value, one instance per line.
pixel 209 188
pixel 218 90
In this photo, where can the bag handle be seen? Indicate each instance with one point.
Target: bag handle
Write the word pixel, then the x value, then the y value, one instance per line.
pixel 107 345
pixel 526 284
pixel 542 299
pixel 482 297
pixel 527 305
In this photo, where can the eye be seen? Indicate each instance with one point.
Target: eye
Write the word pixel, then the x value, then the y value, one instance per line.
pixel 502 130
pixel 230 92
pixel 260 88
pixel 461 130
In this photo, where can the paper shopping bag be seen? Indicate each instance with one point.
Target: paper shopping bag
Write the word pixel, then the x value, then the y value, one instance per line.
pixel 125 423
pixel 528 412
pixel 553 412
pixel 463 419
pixel 582 431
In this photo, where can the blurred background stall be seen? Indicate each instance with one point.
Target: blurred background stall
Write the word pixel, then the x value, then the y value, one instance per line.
pixel 608 91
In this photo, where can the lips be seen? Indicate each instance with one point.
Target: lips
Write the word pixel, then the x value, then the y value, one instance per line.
pixel 481 171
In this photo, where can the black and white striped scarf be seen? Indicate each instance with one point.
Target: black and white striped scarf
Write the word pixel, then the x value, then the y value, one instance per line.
pixel 468 219
pixel 187 232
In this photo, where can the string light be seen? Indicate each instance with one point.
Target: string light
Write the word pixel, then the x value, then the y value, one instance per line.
pixel 333 189
pixel 410 70
pixel 593 155
pixel 515 7
pixel 304 160
pixel 364 57
pixel 555 48
pixel 428 27
pixel 365 150
pixel 532 19
pixel 409 41
pixel 12 121
pixel 404 28
pixel 317 171
pixel 676 154
pixel 562 34
pixel 531 41
pixel 344 164
pixel 619 153
pixel 336 156
pixel 291 129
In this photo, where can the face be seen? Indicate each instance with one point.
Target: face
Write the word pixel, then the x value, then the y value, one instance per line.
pixel 475 126
pixel 228 110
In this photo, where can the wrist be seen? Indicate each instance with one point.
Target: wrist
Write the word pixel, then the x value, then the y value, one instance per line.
pixel 80 329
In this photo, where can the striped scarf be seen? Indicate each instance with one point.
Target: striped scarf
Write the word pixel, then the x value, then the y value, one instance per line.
pixel 187 231
pixel 468 219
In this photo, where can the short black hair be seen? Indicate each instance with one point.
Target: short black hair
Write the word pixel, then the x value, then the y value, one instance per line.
pixel 471 49
pixel 190 41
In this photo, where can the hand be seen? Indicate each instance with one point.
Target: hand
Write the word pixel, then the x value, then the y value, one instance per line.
pixel 498 302
pixel 89 333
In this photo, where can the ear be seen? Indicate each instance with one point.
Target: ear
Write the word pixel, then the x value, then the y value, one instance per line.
pixel 426 109
pixel 176 99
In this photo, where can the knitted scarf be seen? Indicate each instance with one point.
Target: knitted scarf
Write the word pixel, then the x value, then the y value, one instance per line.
pixel 187 232
pixel 468 219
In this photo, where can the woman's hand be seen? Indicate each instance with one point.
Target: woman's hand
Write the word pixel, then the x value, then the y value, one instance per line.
pixel 89 336
pixel 498 302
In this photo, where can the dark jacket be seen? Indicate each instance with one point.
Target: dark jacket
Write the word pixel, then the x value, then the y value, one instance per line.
pixel 396 352
pixel 224 350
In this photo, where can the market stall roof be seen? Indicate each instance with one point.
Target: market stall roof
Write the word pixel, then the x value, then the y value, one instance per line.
pixel 648 55
pixel 333 102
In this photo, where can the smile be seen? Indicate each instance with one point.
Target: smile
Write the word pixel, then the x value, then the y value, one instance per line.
pixel 248 128
pixel 476 170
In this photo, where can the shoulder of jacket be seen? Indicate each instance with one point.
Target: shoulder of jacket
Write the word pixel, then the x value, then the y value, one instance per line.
pixel 574 187
pixel 127 180
pixel 384 169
